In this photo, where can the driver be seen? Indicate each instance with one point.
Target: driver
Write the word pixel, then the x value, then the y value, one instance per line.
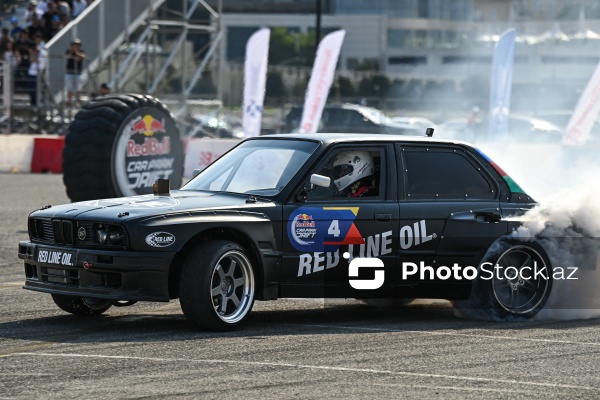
pixel 354 174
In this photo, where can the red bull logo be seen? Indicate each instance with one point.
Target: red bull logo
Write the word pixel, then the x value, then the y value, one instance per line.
pixel 148 126
pixel 305 221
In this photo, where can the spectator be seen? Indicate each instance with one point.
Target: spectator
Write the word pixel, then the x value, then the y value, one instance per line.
pixel 47 19
pixel 22 47
pixel 15 28
pixel 36 67
pixel 31 9
pixel 104 89
pixel 64 10
pixel 57 25
pixel 10 56
pixel 36 27
pixel 4 39
pixel 74 56
pixel 78 7
pixel 42 5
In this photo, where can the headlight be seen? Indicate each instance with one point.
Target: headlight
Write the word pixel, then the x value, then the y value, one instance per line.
pixel 116 235
pixel 100 233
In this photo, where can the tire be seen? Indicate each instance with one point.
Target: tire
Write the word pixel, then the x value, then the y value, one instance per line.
pixel 522 294
pixel 79 306
pixel 214 276
pixel 92 140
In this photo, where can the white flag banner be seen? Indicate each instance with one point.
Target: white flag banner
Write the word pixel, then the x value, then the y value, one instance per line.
pixel 586 112
pixel 320 81
pixel 255 79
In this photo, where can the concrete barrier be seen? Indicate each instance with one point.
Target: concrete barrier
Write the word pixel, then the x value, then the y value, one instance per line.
pixel 16 152
pixel 47 154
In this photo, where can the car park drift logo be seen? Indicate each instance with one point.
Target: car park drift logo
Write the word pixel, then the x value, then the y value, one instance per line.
pixel 146 144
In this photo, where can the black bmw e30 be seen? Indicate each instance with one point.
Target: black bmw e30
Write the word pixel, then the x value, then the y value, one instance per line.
pixel 326 216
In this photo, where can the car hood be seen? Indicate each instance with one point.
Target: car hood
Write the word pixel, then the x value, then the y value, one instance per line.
pixel 146 205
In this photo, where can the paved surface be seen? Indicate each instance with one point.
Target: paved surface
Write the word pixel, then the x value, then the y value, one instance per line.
pixel 288 348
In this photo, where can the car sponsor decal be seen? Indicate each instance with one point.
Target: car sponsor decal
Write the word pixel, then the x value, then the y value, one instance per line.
pixel 55 257
pixel 512 185
pixel 160 239
pixel 323 228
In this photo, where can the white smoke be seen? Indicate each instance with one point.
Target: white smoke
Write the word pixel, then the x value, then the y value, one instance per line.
pixel 566 223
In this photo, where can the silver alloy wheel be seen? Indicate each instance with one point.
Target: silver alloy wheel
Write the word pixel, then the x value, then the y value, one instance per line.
pixel 232 287
pixel 517 288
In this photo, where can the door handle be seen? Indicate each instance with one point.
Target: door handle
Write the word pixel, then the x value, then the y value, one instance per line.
pixel 383 217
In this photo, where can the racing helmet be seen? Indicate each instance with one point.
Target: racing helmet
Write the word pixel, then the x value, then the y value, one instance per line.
pixel 351 166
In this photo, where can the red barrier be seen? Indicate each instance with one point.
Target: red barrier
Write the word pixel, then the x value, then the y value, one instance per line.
pixel 47 155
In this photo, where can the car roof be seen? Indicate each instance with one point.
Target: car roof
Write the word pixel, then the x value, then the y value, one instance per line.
pixel 331 138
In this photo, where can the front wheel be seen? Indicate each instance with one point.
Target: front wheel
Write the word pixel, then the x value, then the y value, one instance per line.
pixel 81 306
pixel 216 285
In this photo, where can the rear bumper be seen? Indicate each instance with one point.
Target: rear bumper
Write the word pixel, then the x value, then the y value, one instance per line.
pixel 113 275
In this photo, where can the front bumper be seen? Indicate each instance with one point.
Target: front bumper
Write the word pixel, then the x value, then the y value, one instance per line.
pixel 104 274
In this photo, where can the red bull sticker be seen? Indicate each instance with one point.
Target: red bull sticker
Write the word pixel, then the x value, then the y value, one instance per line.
pixel 323 228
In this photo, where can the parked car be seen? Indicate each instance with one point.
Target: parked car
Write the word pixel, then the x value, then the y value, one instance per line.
pixel 351 118
pixel 298 216
pixel 215 125
pixel 416 123
pixel 520 129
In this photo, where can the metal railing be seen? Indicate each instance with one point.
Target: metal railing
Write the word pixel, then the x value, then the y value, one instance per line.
pixel 102 27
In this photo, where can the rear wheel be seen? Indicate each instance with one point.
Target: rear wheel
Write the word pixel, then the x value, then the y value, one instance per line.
pixel 81 306
pixel 517 286
pixel 216 285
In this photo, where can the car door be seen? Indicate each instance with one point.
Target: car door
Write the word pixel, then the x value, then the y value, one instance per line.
pixel 324 232
pixel 449 210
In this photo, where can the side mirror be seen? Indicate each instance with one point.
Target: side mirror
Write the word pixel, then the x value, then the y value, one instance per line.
pixel 320 180
pixel 195 173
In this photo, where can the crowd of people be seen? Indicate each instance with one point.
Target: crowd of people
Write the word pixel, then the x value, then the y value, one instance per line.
pixel 23 45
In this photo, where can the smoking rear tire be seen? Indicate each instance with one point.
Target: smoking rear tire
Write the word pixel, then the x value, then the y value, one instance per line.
pixel 88 173
pixel 216 285
pixel 79 306
pixel 513 291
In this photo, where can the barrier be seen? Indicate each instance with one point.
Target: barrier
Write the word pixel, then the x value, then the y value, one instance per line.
pixel 16 152
pixel 201 152
pixel 47 154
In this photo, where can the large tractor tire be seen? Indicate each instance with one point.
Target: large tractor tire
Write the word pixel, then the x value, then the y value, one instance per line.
pixel 118 146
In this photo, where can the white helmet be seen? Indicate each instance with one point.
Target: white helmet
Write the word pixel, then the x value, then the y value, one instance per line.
pixel 350 166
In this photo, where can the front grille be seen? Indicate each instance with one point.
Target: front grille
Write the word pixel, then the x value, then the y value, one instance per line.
pixel 41 229
pixel 66 232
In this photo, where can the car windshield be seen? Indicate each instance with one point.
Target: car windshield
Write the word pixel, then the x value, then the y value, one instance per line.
pixel 257 167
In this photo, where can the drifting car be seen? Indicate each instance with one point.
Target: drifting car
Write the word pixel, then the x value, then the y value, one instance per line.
pixel 288 216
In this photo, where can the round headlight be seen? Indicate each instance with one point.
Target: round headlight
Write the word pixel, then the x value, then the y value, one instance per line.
pixel 100 234
pixel 116 235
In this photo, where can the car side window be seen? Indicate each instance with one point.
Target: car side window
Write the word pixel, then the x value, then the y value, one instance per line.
pixel 354 173
pixel 444 174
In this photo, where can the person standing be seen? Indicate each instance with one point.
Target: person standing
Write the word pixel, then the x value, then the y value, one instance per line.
pixel 74 66
pixel 36 68
pixel 15 28
pixel 78 7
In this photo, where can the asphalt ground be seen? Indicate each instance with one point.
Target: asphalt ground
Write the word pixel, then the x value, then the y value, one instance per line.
pixel 299 349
